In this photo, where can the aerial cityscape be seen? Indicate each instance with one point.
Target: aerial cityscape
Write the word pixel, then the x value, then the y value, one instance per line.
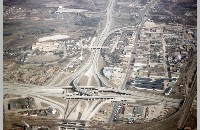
pixel 100 64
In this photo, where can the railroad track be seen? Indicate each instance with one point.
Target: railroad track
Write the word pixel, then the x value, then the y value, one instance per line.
pixel 188 104
pixel 184 111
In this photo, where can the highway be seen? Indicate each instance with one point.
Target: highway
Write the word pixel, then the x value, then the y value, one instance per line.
pixel 99 99
pixel 94 57
pixel 88 92
pixel 60 107
pixel 60 92
pixel 133 51
pixel 114 94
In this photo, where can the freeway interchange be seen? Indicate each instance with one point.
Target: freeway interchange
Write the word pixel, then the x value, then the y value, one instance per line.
pixel 103 94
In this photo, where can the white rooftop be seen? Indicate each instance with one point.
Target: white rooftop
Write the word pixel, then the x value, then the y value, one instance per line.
pixel 54 37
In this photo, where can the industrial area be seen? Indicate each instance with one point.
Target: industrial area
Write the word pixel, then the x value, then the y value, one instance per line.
pixel 93 65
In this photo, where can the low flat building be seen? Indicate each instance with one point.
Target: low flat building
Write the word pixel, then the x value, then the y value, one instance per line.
pixel 45 46
pixel 107 72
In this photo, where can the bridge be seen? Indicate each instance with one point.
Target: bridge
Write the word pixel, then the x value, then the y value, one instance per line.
pixel 94 93
pixel 97 47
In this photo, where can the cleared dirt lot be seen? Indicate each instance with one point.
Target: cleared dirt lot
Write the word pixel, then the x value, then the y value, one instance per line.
pixel 43 58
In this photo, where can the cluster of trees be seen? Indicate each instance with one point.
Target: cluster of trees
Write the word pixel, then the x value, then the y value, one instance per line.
pixel 14 2
pixel 114 57
pixel 85 21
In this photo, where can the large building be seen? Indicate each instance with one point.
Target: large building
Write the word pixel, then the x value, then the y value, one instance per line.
pixel 46 46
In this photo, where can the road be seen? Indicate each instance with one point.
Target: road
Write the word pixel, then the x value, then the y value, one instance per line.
pixel 94 57
pixel 60 107
pixel 52 83
pixel 61 92
pixel 96 109
pixel 133 52
pixel 92 64
pixel 46 121
pixel 40 92
pixel 124 95
pixel 90 110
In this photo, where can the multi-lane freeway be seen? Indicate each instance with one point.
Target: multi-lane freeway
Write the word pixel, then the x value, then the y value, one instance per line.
pixel 92 63
pixel 91 92
pixel 101 93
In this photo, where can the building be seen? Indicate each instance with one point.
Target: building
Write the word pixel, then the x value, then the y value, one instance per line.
pixel 107 72
pixel 45 46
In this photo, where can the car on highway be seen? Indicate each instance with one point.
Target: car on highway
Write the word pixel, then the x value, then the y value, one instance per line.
pixel 115 119
pixel 118 109
pixel 63 128
pixel 119 106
